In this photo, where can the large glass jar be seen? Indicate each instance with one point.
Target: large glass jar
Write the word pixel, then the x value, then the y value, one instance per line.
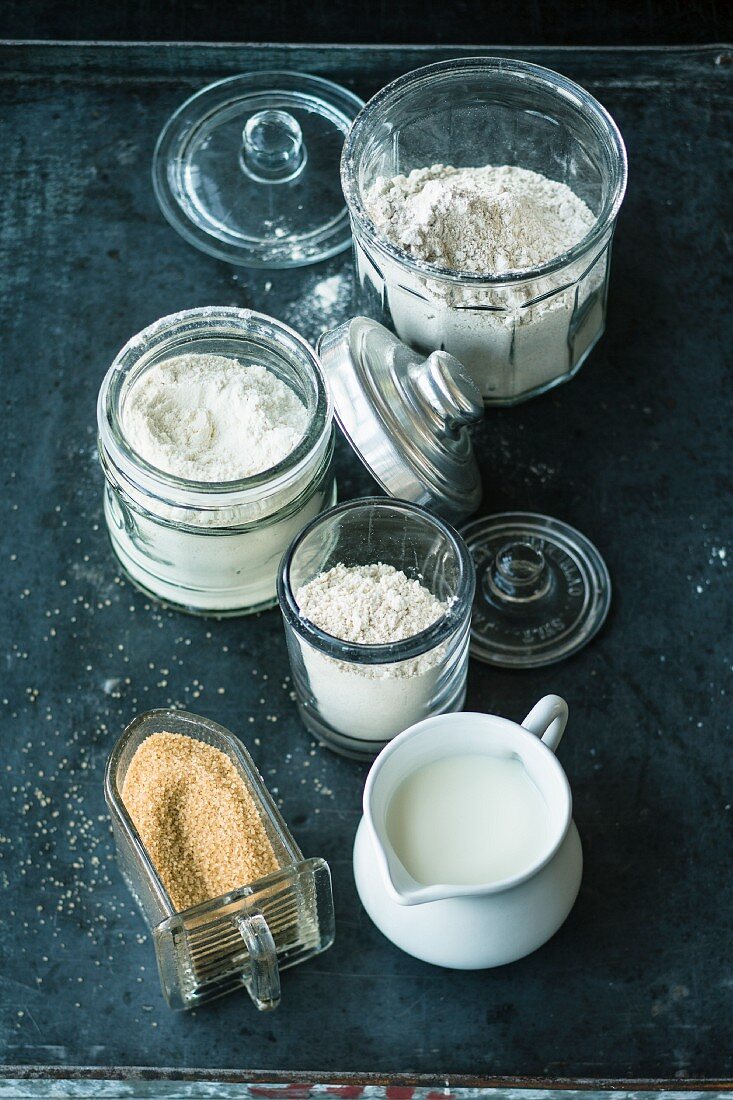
pixel 355 697
pixel 213 547
pixel 520 332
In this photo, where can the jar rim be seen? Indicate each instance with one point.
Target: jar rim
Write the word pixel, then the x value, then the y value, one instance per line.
pixel 185 328
pixel 550 81
pixel 456 614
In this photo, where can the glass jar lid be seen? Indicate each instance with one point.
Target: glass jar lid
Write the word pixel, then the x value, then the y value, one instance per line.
pixel 247 169
pixel 542 589
pixel 407 418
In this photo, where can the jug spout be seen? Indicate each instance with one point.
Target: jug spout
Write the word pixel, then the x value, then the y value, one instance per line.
pixel 401 886
pixel 405 890
pixel 395 762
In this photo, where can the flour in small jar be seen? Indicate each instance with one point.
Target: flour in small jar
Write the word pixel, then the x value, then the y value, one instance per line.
pixel 515 337
pixel 206 417
pixel 373 604
pixel 370 605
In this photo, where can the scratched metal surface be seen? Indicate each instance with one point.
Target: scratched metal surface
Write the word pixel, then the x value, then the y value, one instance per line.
pixel 107 1089
pixel 24 1089
pixel 635 452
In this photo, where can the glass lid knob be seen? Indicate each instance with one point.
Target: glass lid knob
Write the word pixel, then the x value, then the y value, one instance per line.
pixel 542 591
pixel 272 147
pixel 518 573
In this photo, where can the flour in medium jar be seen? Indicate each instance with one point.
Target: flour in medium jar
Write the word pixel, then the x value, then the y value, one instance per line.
pixel 516 338
pixel 210 418
pixel 369 605
pixel 372 604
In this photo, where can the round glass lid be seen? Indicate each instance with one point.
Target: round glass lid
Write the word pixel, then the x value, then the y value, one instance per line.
pixel 248 169
pixel 542 589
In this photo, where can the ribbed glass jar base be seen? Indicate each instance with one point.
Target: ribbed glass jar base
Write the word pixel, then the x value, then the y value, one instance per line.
pixel 211 571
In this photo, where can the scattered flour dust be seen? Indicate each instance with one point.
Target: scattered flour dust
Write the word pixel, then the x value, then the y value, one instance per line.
pixel 516 338
pixel 323 303
pixel 210 418
pixel 371 605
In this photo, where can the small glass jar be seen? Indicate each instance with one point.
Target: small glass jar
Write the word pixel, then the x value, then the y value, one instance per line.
pixel 244 938
pixel 520 332
pixel 213 547
pixel 356 697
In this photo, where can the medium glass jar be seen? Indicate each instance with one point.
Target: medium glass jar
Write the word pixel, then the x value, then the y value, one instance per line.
pixel 213 547
pixel 356 697
pixel 523 331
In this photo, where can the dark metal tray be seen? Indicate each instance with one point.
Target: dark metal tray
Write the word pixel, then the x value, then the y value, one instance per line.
pixel 635 452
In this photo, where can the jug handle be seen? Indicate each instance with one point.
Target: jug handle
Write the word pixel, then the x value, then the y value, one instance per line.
pixel 547 719
pixel 264 977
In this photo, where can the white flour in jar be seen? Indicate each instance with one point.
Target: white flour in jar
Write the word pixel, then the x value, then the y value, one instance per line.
pixel 371 605
pixel 213 419
pixel 488 220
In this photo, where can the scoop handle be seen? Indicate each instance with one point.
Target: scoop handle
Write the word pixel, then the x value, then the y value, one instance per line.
pixel 547 719
pixel 263 982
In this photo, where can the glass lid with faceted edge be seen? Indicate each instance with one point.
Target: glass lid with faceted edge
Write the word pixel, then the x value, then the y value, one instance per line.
pixel 407 418
pixel 248 169
pixel 542 589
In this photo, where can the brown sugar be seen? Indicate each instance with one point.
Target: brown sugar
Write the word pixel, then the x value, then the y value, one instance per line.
pixel 195 816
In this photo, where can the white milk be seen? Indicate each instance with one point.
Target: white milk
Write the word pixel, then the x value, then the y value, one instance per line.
pixel 468 819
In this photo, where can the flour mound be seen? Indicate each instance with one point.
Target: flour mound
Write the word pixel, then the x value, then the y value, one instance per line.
pixel 211 418
pixel 372 605
pixel 369 604
pixel 482 220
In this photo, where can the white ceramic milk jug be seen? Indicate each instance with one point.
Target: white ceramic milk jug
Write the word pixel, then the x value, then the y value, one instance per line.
pixel 472 926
